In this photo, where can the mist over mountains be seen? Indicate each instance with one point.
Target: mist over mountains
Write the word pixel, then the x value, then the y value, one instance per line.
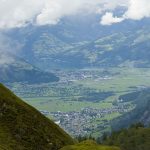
pixel 84 40
pixel 77 42
pixel 14 69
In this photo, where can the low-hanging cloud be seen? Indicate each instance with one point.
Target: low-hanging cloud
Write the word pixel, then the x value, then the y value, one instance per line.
pixel 136 10
pixel 109 19
pixel 8 48
pixel 6 59
pixel 18 13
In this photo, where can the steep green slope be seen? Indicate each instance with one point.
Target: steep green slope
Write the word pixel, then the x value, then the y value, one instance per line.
pixel 134 138
pixel 24 128
pixel 89 145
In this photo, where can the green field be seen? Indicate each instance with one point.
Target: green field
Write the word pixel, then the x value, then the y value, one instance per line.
pixel 125 82
pixel 122 82
pixel 65 97
pixel 58 97
pixel 45 103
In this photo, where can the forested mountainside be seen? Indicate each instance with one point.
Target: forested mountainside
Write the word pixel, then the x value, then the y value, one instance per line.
pixel 141 113
pixel 15 69
pixel 74 44
pixel 134 138
pixel 24 128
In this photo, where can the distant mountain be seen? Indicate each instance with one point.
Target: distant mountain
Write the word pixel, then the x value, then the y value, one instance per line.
pixel 140 114
pixel 120 48
pixel 24 128
pixel 78 42
pixel 18 70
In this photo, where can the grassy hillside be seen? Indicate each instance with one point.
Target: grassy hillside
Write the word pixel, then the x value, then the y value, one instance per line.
pixel 134 138
pixel 89 145
pixel 24 128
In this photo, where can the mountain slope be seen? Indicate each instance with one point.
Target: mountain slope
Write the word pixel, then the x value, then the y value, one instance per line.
pixel 80 42
pixel 115 49
pixel 140 114
pixel 89 145
pixel 24 128
pixel 20 71
pixel 134 138
pixel 109 47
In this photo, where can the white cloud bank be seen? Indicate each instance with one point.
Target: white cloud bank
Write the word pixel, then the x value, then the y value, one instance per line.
pixel 18 13
pixel 109 19
pixel 136 10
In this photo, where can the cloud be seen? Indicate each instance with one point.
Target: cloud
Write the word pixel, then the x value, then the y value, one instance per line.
pixel 54 10
pixel 18 13
pixel 136 10
pixel 109 19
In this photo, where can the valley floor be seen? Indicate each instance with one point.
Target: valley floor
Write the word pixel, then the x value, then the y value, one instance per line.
pixel 85 101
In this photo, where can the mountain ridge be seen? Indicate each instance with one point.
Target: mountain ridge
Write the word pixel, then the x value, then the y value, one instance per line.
pixel 65 45
pixel 18 70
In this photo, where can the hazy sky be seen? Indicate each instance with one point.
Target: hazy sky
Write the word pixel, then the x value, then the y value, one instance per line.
pixel 17 13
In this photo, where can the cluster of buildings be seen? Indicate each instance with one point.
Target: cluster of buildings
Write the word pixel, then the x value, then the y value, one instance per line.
pixel 72 76
pixel 81 122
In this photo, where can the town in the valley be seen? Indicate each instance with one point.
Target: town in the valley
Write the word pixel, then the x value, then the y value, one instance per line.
pixel 81 123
